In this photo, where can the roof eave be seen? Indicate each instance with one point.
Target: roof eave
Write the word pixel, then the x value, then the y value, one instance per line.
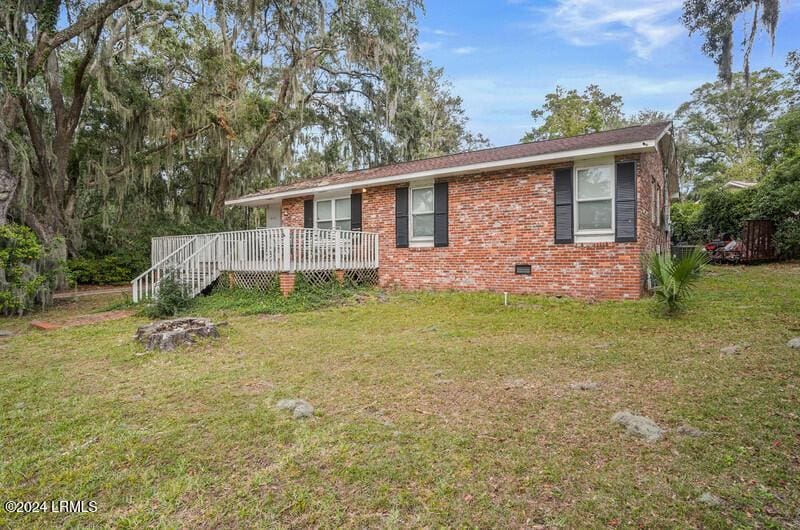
pixel 616 149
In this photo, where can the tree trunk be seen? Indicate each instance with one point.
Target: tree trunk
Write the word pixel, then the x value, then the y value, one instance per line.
pixel 221 188
pixel 8 182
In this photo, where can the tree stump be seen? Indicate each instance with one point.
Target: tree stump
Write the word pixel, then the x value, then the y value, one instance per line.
pixel 167 335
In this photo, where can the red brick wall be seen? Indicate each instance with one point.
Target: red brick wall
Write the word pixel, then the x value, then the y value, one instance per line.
pixel 651 174
pixel 501 219
pixel 292 212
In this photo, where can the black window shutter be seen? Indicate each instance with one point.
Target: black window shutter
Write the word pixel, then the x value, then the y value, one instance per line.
pixel 440 223
pixel 625 202
pixel 401 217
pixel 355 212
pixel 562 184
pixel 308 213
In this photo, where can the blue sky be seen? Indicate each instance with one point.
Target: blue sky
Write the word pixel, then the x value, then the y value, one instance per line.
pixel 503 56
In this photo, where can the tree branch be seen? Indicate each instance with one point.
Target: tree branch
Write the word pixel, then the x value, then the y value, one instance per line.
pixel 160 147
pixel 37 141
pixel 46 42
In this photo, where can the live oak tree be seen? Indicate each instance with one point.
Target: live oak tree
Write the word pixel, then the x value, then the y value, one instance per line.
pixel 53 54
pixel 569 113
pixel 122 115
pixel 721 129
pixel 431 120
pixel 715 20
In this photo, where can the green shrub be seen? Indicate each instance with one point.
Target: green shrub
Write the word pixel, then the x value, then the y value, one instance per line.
pixel 173 298
pixel 685 217
pixel 21 283
pixel 675 278
pixel 128 240
pixel 787 238
pixel 778 199
pixel 102 271
pixel 724 211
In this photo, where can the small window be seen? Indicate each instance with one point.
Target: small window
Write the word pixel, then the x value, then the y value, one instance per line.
pixel 421 213
pixel 594 193
pixel 333 213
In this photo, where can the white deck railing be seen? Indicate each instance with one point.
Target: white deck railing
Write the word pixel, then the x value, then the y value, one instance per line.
pixel 198 260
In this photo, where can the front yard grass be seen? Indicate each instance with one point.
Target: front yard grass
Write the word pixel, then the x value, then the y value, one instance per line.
pixel 441 409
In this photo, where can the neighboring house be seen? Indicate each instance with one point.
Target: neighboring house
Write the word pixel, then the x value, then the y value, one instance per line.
pixel 738 185
pixel 572 216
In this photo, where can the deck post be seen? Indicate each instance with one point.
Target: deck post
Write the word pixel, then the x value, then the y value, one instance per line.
pixel 337 250
pixel 285 266
pixel 376 251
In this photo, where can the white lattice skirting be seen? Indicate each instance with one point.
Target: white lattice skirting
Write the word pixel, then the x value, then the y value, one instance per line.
pixel 361 277
pixel 268 281
pixel 253 280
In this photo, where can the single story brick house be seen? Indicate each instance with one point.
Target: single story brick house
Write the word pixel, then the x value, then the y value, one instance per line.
pixel 571 216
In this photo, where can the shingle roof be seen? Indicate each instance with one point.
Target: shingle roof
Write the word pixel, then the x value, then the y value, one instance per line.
pixel 627 135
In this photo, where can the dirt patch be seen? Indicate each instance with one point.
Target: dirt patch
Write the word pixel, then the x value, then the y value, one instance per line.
pixel 688 430
pixel 92 290
pixel 82 320
pixel 584 385
pixel 257 387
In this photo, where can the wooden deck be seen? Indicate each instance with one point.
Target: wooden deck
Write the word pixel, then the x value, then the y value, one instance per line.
pixel 198 260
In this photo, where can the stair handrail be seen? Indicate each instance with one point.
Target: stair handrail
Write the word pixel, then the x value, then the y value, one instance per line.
pixel 169 256
pixel 141 286
pixel 211 240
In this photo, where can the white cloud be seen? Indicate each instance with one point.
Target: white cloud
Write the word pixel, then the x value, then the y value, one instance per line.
pixel 426 46
pixel 464 50
pixel 644 26
pixel 439 32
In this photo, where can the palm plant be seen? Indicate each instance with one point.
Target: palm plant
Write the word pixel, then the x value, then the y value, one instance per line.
pixel 675 279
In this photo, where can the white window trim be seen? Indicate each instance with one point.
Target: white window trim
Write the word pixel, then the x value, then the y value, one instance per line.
pixel 420 241
pixel 589 235
pixel 334 219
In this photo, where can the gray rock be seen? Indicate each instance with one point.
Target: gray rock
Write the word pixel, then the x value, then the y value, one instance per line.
pixel 640 426
pixel 709 499
pixel 286 404
pixel 584 385
pixel 300 408
pixel 5 333
pixel 303 410
pixel 167 335
pixel 794 343
pixel 730 350
pixel 688 430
